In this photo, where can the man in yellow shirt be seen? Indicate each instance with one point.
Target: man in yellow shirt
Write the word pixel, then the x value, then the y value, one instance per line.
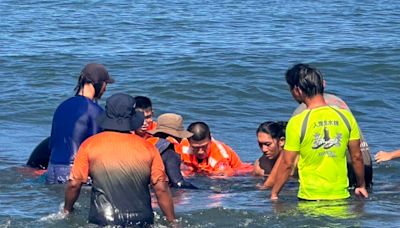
pixel 320 135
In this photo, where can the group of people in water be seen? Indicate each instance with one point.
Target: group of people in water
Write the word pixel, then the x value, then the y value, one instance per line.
pixel 122 152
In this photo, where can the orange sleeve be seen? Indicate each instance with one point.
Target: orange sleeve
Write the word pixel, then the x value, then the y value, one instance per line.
pixel 235 161
pixel 80 168
pixel 152 140
pixel 157 167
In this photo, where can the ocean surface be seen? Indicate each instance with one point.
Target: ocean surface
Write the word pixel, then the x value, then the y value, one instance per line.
pixel 222 62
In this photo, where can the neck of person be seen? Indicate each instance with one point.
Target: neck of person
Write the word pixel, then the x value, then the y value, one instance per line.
pixel 87 91
pixel 315 101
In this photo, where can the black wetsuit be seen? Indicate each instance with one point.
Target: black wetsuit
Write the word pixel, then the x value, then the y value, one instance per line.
pixel 172 163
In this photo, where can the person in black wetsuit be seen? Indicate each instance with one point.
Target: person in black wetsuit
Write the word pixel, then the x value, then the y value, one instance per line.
pixel 166 138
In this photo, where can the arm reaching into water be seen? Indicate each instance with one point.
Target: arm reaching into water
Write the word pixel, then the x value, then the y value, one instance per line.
pixel 285 167
pixel 164 200
pixel 72 192
pixel 358 166
pixel 269 182
pixel 382 156
pixel 172 164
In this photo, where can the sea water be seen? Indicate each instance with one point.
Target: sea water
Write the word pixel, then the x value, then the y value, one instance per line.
pixel 222 62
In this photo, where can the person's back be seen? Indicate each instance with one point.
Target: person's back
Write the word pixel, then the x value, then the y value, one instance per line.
pixel 322 163
pixel 335 101
pixel 71 128
pixel 75 120
pixel 320 135
pixel 121 166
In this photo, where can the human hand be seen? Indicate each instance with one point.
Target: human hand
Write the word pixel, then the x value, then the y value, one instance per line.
pixel 67 212
pixel 223 169
pixel 383 156
pixel 361 192
pixel 175 224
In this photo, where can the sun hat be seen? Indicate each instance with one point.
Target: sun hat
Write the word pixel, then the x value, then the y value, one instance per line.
pixel 96 73
pixel 172 124
pixel 120 114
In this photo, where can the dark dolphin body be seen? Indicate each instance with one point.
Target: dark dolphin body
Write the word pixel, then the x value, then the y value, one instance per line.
pixel 40 155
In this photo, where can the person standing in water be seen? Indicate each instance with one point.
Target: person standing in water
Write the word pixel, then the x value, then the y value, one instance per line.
pixel 322 164
pixel 122 166
pixel 75 120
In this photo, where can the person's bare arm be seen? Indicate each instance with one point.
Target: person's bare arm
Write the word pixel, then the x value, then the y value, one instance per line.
pixel 164 199
pixel 285 167
pixel 386 155
pixel 269 182
pixel 358 166
pixel 72 192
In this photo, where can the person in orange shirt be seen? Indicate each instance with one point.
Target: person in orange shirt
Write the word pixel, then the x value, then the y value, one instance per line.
pixel 201 153
pixel 122 165
pixel 143 104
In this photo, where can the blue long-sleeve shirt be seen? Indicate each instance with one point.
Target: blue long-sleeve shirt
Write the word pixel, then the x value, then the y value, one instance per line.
pixel 74 121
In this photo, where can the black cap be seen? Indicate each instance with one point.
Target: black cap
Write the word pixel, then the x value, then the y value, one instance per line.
pixel 96 73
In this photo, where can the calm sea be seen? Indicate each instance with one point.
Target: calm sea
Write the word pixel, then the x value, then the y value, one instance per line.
pixel 222 62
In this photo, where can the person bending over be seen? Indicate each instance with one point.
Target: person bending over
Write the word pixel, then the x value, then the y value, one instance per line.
pixel 203 154
pixel 166 137
pixel 271 139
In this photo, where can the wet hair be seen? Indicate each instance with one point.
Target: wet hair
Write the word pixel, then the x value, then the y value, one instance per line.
pixel 307 78
pixel 83 80
pixel 275 129
pixel 143 103
pixel 200 131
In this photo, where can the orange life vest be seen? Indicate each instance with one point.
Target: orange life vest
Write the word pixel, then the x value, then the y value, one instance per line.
pixel 221 160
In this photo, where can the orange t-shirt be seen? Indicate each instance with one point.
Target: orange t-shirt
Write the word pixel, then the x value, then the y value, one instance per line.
pixel 121 166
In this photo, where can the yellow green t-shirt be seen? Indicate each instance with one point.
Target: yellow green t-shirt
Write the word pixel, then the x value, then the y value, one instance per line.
pixel 321 136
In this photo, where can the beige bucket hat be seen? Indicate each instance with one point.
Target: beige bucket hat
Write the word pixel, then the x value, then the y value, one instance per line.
pixel 172 124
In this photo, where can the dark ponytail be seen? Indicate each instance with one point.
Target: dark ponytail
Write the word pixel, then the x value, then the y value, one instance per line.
pixel 275 129
pixel 83 80
pixel 80 84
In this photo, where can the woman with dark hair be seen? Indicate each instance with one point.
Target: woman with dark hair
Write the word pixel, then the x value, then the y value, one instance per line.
pixel 271 139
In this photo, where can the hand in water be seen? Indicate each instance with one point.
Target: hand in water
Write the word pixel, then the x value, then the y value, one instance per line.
pixel 223 169
pixel 383 156
pixel 361 192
